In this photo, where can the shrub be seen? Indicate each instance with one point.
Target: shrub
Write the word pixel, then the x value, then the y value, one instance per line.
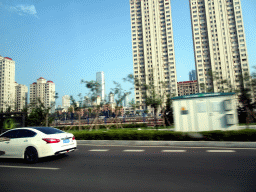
pixel 123 134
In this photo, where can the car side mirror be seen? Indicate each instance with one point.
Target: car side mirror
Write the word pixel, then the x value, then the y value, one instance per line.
pixel 4 139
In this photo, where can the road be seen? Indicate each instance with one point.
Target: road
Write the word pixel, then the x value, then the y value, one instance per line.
pixel 126 168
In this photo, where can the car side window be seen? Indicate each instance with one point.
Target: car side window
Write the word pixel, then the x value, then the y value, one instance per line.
pixel 11 134
pixel 24 133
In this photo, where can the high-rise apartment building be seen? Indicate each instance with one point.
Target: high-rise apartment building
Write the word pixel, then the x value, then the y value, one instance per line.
pixel 153 47
pixel 66 101
pixel 21 97
pixel 7 83
pixel 100 78
pixel 43 90
pixel 219 43
pixel 192 75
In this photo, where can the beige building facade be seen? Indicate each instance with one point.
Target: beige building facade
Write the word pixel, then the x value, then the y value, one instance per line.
pixel 7 83
pixel 219 44
pixel 21 97
pixel 153 47
pixel 43 90
pixel 187 87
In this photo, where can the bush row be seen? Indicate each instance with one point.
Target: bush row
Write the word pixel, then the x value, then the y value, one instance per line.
pixel 241 135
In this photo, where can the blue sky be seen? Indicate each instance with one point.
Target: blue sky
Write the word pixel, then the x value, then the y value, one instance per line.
pixel 66 41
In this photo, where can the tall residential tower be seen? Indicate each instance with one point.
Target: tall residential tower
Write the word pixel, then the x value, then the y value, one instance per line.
pixel 7 83
pixel 21 97
pixel 219 44
pixel 100 78
pixel 43 90
pixel 152 46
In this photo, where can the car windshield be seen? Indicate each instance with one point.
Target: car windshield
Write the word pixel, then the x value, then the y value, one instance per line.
pixel 48 130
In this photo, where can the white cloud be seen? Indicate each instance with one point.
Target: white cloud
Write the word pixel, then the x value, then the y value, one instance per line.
pixel 23 9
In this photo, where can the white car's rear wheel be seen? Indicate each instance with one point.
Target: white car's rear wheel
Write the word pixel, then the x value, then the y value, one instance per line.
pixel 31 155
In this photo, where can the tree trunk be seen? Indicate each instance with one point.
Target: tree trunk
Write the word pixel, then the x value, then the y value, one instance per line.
pixel 46 120
pixel 79 121
pixel 155 111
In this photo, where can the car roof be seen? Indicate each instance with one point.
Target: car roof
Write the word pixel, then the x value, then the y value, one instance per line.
pixel 29 128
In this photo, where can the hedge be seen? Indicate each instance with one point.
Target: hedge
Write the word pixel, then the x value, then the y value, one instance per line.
pixel 240 135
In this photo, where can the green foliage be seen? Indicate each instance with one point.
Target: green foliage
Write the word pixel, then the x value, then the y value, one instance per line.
pixel 39 115
pixel 168 112
pixel 113 134
pixel 146 111
pixel 9 123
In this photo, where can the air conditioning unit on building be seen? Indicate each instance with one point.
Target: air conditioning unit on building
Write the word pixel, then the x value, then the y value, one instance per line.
pixel 230 119
pixel 228 105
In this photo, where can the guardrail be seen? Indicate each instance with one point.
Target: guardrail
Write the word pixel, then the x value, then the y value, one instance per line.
pixel 148 120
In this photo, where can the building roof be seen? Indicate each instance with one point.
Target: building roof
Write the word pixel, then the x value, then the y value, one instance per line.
pixel 41 78
pixel 181 82
pixel 8 58
pixel 49 82
pixel 200 95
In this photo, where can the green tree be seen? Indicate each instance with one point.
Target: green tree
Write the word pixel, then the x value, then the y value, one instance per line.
pixel 168 112
pixel 244 91
pixel 133 105
pixel 95 109
pixel 154 95
pixel 77 109
pixel 39 114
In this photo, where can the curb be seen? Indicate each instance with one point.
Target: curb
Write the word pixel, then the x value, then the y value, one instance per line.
pixel 170 143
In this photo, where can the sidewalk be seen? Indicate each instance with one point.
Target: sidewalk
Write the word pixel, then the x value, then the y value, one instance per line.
pixel 170 143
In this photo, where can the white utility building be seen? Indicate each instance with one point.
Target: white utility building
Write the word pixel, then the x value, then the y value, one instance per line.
pixel 205 112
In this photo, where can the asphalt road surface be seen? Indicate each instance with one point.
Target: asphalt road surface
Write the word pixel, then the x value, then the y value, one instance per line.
pixel 124 168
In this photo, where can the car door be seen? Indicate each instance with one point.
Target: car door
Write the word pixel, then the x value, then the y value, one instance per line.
pixel 23 140
pixel 7 146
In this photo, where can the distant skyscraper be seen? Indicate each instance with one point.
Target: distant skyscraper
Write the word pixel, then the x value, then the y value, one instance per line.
pixel 21 96
pixel 126 100
pixel 66 101
pixel 7 83
pixel 43 90
pixel 152 46
pixel 192 75
pixel 219 43
pixel 111 97
pixel 100 78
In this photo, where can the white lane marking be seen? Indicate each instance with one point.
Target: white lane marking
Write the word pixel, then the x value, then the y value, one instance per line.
pixel 174 151
pixel 24 167
pixel 220 151
pixel 169 146
pixel 99 150
pixel 133 150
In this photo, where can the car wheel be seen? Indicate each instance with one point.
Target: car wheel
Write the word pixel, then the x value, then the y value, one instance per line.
pixel 31 155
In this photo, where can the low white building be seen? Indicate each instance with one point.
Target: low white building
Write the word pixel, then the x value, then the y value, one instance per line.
pixel 205 112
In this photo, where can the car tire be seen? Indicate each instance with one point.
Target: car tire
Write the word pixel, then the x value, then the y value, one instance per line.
pixel 31 155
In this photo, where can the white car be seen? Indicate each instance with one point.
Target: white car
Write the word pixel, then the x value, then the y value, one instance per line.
pixel 31 143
